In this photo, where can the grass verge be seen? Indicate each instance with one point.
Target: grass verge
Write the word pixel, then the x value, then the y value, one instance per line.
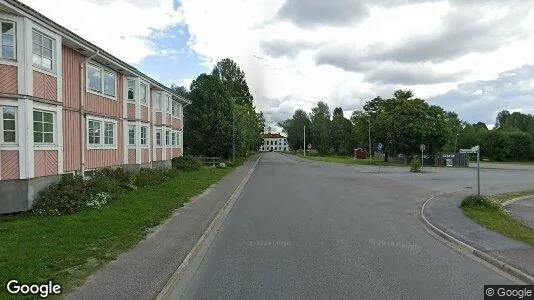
pixel 490 214
pixel 501 198
pixel 68 248
pixel 347 160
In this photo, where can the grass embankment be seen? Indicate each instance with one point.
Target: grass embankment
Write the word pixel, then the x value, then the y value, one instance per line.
pixel 66 249
pixel 347 160
pixel 488 212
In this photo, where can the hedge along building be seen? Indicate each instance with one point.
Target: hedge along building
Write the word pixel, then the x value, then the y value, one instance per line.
pixel 67 106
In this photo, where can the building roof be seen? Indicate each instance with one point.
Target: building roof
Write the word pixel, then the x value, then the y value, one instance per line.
pixel 273 136
pixel 89 48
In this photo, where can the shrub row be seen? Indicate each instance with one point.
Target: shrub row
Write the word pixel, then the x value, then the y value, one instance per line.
pixel 475 201
pixel 74 194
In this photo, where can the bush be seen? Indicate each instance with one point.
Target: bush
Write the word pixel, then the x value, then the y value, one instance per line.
pixel 66 197
pixel 148 177
pixel 122 178
pixel 479 201
pixel 186 163
pixel 416 165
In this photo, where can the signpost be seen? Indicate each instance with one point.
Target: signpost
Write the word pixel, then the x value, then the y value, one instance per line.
pixel 422 148
pixel 379 147
pixel 476 150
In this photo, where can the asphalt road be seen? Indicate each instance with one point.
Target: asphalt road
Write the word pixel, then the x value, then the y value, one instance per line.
pixel 313 230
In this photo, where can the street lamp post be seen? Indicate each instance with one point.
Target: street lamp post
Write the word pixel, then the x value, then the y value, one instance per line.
pixel 455 143
pixel 304 145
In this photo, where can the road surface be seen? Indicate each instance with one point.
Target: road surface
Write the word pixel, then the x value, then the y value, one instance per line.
pixel 312 230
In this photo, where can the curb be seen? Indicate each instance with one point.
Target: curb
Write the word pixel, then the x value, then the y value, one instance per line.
pixel 196 255
pixel 476 252
pixel 508 202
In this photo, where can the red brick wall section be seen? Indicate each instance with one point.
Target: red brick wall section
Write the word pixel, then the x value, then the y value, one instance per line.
pixel 9 164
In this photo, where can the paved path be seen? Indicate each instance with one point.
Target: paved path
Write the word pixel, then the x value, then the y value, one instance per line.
pixel 143 271
pixel 523 210
pixel 312 230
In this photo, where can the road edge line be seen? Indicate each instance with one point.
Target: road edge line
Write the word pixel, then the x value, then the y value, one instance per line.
pixel 510 270
pixel 204 242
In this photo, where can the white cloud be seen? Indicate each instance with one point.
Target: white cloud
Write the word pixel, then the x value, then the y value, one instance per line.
pixel 125 28
pixel 299 82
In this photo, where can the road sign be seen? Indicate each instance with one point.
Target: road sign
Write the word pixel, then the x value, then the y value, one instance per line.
pixel 379 146
pixel 471 150
pixel 422 147
pixel 309 146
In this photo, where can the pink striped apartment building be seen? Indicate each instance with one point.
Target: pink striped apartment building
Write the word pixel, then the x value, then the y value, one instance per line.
pixel 67 106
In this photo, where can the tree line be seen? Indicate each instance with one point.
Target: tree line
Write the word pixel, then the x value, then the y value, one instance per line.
pixel 208 121
pixel 402 123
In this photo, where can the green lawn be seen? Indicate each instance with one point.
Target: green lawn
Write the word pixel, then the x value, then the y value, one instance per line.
pixel 499 221
pixel 67 249
pixel 346 160
pixel 501 198
pixel 494 217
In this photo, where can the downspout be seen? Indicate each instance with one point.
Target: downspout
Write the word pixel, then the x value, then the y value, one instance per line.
pixel 82 110
pixel 182 141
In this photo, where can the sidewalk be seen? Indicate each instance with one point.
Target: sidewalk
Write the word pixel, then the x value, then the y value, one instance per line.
pixel 523 210
pixel 143 271
pixel 444 212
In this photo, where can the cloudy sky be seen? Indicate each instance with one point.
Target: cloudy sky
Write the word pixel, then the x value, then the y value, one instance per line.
pixel 475 57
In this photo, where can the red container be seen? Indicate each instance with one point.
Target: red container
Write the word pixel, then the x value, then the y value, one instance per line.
pixel 360 153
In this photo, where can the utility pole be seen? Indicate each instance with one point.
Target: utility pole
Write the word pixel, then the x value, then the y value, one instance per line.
pixel 455 142
pixel 370 151
pixel 304 148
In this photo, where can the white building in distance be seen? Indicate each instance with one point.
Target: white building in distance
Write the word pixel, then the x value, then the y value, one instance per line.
pixel 274 142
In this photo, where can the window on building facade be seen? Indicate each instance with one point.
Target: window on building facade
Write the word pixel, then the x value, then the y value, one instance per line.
pixel 101 80
pixel 8 40
pixel 42 50
pixel 94 132
pixel 168 104
pixel 131 135
pixel 43 127
pixel 144 135
pixel 167 137
pixel 158 137
pixel 158 101
pixel 8 124
pixel 173 142
pixel 143 93
pixel 131 89
pixel 101 133
pixel 109 133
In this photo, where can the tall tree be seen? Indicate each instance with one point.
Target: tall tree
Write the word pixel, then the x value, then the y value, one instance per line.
pixel 208 120
pixel 294 128
pixel 342 133
pixel 234 81
pixel 320 127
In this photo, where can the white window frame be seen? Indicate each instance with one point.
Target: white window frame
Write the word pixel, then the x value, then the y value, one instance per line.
pixel 102 144
pixel 128 135
pixel 167 137
pixel 158 102
pixel 54 128
pixel 102 71
pixel 173 138
pixel 53 58
pixel 160 131
pixel 14 58
pixel 147 91
pixel 2 142
pixel 168 104
pixel 134 90
pixel 147 137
